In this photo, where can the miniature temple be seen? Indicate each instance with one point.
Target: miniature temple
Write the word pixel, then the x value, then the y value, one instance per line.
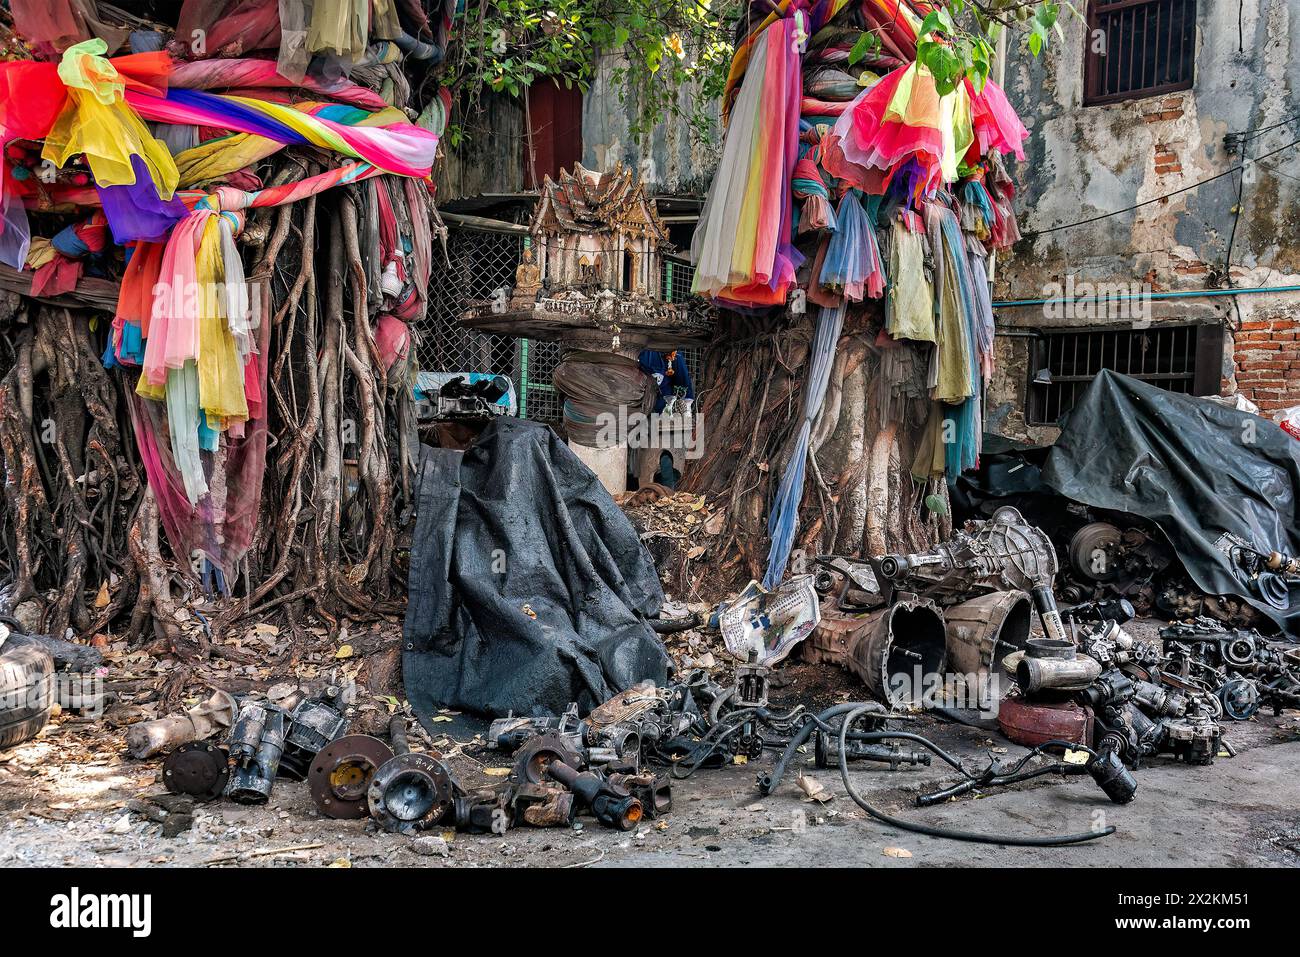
pixel 591 278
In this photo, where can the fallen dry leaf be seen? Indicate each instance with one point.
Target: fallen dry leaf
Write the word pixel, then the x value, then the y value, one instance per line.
pixel 813 789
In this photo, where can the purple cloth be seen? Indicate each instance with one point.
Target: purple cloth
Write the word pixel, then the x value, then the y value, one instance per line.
pixel 135 212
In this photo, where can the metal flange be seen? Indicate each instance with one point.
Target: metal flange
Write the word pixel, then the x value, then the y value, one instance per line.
pixel 532 759
pixel 341 773
pixel 412 792
pixel 198 769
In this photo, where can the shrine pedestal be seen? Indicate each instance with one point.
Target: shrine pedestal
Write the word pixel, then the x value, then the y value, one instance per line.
pixel 610 465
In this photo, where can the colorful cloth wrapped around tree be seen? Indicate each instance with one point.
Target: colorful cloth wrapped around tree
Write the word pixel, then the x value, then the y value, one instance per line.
pixel 809 185
pixel 852 266
pixel 744 254
pixel 902 118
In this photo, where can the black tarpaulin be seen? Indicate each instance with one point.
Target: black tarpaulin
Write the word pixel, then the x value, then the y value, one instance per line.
pixel 1195 467
pixel 515 521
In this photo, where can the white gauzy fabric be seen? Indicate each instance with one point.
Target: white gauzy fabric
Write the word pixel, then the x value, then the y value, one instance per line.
pixel 182 422
pixel 239 314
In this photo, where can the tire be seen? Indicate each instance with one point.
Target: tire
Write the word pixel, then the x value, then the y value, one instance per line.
pixel 26 692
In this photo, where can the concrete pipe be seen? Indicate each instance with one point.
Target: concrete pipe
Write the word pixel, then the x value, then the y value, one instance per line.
pixel 984 630
pixel 904 649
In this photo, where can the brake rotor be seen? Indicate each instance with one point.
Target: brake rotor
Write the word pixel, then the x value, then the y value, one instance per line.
pixel 538 752
pixel 1093 551
pixel 341 773
pixel 198 769
pixel 412 792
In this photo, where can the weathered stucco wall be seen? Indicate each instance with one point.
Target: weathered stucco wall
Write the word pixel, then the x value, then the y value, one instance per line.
pixel 1083 161
pixel 682 161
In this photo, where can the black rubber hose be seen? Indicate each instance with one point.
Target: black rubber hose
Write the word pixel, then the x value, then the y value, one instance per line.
pixel 767 783
pixel 669 626
pixel 1001 780
pixel 919 828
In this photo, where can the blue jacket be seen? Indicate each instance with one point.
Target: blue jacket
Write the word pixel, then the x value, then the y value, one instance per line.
pixel 654 363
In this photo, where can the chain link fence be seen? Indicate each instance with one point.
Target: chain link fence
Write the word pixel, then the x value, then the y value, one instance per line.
pixel 478 263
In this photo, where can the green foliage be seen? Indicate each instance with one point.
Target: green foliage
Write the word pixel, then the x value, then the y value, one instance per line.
pixel 958 41
pixel 665 45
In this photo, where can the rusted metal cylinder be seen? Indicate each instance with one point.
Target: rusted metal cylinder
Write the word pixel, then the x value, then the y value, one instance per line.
pixel 1050 665
pixel 1033 724
pixel 984 630
pixel 904 649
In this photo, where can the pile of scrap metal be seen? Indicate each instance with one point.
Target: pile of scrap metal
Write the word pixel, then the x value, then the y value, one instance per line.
pixel 898 621
pixel 1129 699
pixel 263 741
pixel 698 723
pixel 1105 554
pixel 1188 510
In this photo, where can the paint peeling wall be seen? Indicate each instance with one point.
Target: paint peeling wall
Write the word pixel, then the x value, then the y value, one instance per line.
pixel 678 159
pixel 1085 161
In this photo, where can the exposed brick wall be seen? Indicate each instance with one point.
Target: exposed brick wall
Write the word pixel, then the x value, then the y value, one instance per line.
pixel 1267 359
pixel 1158 109
pixel 1166 157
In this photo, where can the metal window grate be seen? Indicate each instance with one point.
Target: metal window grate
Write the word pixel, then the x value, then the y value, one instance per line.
pixel 480 262
pixel 477 264
pixel 1185 358
pixel 1138 48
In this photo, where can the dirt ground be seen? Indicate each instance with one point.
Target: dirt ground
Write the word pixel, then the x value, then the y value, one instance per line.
pixel 70 797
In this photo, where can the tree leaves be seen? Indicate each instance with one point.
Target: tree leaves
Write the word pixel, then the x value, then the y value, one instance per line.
pixel 866 43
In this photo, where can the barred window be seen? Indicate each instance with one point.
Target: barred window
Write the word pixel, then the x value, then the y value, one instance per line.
pixel 1179 357
pixel 1138 48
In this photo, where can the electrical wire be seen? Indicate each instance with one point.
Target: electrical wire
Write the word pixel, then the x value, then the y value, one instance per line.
pixel 1156 199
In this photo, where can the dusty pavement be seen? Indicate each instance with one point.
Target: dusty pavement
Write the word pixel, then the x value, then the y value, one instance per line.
pixel 60 804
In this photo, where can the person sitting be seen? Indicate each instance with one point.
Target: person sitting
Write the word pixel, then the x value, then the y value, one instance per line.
pixel 671 376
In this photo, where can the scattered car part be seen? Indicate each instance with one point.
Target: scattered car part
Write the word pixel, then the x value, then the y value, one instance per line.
pixel 826 755
pixel 341 773
pixel 751 684
pixel 1240 697
pixel 1031 724
pixel 1048 664
pixel 888 649
pixel 256 746
pixel 197 768
pixel 482 812
pixel 1003 553
pixel 542 805
pixel 982 631
pixel 916 827
pixel 313 723
pixel 26 691
pixel 533 759
pixel 1106 770
pixel 654 791
pixel 148 738
pixel 411 791
pixel 1119 610
pixel 510 733
pixel 1112 777
pixel 612 805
